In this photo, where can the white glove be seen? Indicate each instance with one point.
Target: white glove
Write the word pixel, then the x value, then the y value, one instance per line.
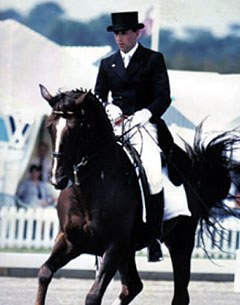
pixel 113 113
pixel 141 117
pixel 115 116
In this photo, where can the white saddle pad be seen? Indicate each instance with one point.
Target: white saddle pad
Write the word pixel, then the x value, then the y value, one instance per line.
pixel 175 200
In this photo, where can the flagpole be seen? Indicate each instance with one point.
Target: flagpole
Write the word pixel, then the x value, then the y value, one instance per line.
pixel 155 26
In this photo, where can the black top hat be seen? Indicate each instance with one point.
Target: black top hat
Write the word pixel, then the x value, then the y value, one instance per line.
pixel 125 21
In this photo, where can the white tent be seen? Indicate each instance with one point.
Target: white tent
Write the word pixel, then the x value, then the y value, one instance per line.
pixel 90 54
pixel 26 60
pixel 200 95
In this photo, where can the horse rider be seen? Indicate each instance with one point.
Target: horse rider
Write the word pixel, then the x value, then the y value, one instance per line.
pixel 138 81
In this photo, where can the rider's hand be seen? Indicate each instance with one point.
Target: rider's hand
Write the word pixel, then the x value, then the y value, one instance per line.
pixel 114 113
pixel 141 117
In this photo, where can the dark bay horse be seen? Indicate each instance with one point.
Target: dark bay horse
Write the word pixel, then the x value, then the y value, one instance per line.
pixel 99 206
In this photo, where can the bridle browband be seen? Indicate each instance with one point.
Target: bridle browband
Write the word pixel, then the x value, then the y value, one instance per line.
pixel 63 112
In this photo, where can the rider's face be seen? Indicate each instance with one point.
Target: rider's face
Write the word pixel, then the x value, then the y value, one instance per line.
pixel 126 40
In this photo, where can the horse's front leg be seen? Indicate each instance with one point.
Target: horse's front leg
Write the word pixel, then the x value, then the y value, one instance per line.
pixel 62 253
pixel 109 266
pixel 180 244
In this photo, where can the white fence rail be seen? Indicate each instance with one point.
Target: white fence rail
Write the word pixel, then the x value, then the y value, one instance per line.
pixel 37 229
pixel 28 228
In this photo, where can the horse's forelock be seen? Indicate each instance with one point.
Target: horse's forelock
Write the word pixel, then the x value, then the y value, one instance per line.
pixel 65 101
pixel 71 100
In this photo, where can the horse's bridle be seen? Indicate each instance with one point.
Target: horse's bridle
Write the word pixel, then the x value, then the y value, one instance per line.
pixel 86 158
pixel 63 112
pixel 59 155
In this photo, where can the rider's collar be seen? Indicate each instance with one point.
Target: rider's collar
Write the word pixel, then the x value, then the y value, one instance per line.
pixel 131 52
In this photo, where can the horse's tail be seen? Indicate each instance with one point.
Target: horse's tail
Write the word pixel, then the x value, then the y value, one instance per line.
pixel 216 170
pixel 213 229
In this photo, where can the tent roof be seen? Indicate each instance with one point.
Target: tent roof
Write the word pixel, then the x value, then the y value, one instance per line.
pixel 89 54
pixel 198 95
pixel 28 59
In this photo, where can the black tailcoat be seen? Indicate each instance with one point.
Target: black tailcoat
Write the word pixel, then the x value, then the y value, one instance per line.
pixel 144 84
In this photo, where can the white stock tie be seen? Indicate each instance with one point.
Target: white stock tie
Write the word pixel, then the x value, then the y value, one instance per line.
pixel 126 60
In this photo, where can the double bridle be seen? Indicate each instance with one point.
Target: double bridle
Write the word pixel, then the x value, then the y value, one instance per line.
pixel 61 113
pixel 85 159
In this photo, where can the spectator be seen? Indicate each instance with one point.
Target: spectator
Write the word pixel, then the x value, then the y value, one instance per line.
pixel 33 191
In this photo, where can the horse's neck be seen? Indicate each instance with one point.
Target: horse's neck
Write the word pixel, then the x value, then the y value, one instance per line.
pixel 103 139
pixel 98 173
pixel 97 158
pixel 100 146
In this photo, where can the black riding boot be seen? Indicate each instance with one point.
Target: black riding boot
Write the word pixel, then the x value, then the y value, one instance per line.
pixel 155 219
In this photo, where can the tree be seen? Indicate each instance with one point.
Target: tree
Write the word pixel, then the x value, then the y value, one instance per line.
pixel 11 14
pixel 199 50
pixel 43 17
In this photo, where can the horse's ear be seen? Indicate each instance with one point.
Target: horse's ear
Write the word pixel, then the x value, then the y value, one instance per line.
pixel 82 97
pixel 45 94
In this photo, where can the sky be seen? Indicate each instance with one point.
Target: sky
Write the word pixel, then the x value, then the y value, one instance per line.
pixel 215 15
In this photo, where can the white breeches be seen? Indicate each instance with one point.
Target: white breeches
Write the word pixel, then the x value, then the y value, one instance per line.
pixel 144 140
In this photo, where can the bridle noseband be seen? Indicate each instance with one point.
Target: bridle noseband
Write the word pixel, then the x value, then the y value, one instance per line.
pixel 57 154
